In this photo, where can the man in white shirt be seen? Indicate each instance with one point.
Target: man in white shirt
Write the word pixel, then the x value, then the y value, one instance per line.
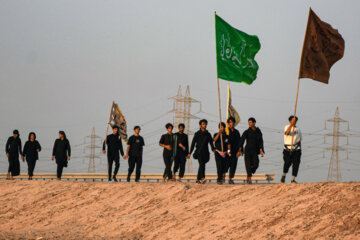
pixel 292 149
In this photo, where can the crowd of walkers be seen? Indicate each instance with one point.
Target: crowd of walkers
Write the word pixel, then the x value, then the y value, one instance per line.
pixel 227 145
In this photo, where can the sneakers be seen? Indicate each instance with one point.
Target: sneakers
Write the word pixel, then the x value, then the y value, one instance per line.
pixel 282 179
pixel 203 181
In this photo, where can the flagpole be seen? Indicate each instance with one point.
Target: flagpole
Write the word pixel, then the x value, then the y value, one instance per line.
pixel 107 128
pixel 298 84
pixel 218 86
pixel 227 108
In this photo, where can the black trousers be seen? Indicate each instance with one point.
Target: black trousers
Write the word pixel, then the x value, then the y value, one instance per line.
pixel 251 163
pixel 221 165
pixel 110 163
pixel 59 170
pixel 203 159
pixel 135 160
pixel 233 161
pixel 180 162
pixel 292 158
pixel 31 166
pixel 167 172
pixel 14 165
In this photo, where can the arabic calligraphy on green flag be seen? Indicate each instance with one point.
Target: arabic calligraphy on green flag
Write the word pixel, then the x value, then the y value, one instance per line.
pixel 235 52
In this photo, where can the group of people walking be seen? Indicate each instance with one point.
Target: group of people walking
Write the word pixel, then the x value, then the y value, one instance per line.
pixel 61 153
pixel 227 145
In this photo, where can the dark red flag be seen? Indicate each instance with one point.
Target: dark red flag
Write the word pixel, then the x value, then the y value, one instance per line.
pixel 323 46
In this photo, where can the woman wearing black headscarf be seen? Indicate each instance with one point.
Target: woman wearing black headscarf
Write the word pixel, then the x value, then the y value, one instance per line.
pixel 12 149
pixel 61 152
pixel 31 153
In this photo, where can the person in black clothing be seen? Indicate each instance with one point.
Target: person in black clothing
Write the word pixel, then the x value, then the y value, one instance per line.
pixel 234 139
pixel 31 153
pixel 114 145
pixel 167 142
pixel 202 139
pixel 12 149
pixel 221 151
pixel 134 153
pixel 254 147
pixel 61 152
pixel 182 151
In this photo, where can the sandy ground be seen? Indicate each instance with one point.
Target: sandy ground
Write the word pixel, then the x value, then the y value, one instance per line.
pixel 88 210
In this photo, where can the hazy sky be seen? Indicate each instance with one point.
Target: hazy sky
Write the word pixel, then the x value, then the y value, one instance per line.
pixel 63 62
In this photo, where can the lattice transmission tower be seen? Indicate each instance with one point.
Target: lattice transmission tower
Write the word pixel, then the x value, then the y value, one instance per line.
pixel 334 166
pixel 182 114
pixel 94 139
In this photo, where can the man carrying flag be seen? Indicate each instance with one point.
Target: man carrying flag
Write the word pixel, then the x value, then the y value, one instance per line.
pixel 323 46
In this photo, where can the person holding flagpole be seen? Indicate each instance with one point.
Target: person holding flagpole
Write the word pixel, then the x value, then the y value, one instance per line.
pixel 234 139
pixel 292 149
pixel 221 157
pixel 114 146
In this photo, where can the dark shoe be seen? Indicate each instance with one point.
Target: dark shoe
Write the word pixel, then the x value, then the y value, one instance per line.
pixel 128 179
pixel 249 180
pixel 219 182
pixel 231 181
pixel 198 181
pixel 293 181
pixel 282 179
pixel 203 181
pixel 115 180
pixel 137 180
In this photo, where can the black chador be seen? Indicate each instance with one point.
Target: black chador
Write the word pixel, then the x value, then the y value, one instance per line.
pixel 13 149
pixel 114 146
pixel 201 140
pixel 61 153
pixel 135 151
pixel 254 147
pixel 31 153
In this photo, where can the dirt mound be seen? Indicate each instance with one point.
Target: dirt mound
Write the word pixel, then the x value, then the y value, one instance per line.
pixel 88 210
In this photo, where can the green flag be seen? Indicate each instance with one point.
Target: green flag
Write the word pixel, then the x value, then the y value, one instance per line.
pixel 235 52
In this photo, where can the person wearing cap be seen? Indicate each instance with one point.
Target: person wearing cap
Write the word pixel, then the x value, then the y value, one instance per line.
pixel 114 146
pixel 61 153
pixel 202 139
pixel 13 149
pixel 134 152
pixel 254 147
pixel 292 149
pixel 221 151
pixel 167 142
pixel 31 153
pixel 182 152
pixel 234 139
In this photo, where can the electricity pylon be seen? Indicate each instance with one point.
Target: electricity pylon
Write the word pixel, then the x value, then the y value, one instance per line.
pixel 182 114
pixel 92 146
pixel 334 166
